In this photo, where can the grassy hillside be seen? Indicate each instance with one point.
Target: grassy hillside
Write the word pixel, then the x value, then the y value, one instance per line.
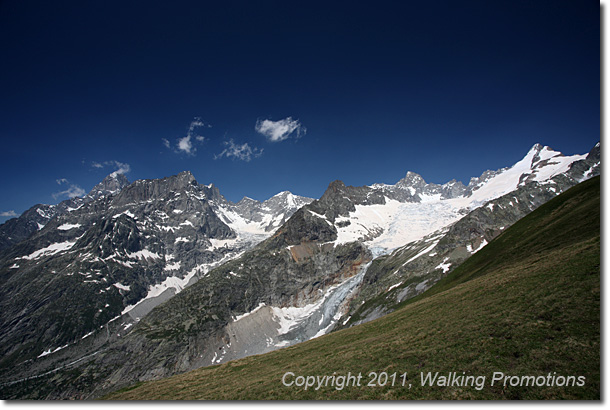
pixel 528 304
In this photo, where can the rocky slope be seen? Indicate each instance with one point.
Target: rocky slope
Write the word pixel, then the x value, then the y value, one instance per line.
pixel 106 262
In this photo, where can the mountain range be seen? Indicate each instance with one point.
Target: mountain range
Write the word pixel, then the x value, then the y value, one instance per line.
pixel 526 306
pixel 138 281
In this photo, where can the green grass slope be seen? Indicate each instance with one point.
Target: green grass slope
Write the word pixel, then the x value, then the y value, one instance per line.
pixel 528 304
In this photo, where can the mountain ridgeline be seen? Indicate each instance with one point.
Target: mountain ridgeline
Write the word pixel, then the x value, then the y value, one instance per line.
pixel 102 265
pixel 144 280
pixel 525 306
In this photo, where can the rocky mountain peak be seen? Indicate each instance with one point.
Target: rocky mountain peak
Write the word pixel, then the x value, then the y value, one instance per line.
pixel 283 194
pixel 183 180
pixel 285 202
pixel 150 189
pixel 112 184
pixel 536 148
pixel 247 200
pixel 595 153
pixel 412 179
pixel 185 176
pixel 212 193
pixel 333 188
pixel 540 153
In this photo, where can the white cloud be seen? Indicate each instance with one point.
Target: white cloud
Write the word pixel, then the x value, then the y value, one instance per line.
pixel 185 144
pixel 119 167
pixel 243 152
pixel 71 192
pixel 197 123
pixel 122 168
pixel 277 131
pixel 9 214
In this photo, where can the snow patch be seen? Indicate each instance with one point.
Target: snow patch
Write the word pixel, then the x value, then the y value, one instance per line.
pixel 239 317
pixel 49 351
pixel 119 285
pixel 222 243
pixel 42 213
pixel 128 213
pixel 87 335
pixel 172 266
pixel 321 217
pixel 444 266
pixel 483 243
pixel 143 254
pixel 394 286
pixel 422 253
pixel 50 250
pixel 67 227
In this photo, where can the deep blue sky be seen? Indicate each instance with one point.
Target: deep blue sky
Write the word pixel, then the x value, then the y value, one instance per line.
pixel 446 89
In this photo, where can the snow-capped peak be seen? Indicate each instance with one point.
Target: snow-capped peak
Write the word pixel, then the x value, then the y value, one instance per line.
pixel 281 194
pixel 288 199
pixel 540 164
pixel 413 208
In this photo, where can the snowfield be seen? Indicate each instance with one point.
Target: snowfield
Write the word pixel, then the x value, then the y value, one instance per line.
pixel 383 228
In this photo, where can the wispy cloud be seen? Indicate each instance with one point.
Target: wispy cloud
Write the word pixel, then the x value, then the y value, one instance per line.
pixel 185 144
pixel 122 168
pixel 72 191
pixel 9 214
pixel 119 167
pixel 277 131
pixel 243 152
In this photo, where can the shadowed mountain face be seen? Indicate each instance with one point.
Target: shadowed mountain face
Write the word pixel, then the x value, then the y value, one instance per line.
pixel 110 257
pixel 240 279
pixel 34 219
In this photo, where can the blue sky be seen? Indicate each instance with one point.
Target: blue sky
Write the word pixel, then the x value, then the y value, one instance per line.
pixel 261 97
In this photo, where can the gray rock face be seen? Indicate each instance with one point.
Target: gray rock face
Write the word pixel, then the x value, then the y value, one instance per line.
pixel 111 185
pixel 16 230
pixel 339 199
pixel 34 219
pixel 109 258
